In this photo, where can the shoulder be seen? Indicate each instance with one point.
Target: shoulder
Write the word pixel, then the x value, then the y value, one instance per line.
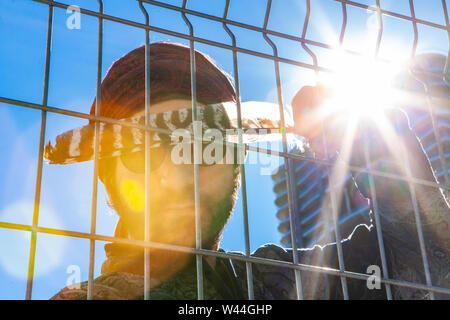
pixel 110 286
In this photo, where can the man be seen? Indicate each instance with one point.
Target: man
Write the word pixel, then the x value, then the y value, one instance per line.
pixel 121 169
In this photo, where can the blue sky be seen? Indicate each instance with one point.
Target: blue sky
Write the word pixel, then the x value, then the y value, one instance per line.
pixel 66 190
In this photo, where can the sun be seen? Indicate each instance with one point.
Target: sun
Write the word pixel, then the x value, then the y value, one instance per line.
pixel 359 85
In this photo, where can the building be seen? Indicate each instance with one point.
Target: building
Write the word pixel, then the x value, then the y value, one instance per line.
pixel 311 184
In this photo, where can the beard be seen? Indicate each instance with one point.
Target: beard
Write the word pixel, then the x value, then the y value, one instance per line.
pixel 171 227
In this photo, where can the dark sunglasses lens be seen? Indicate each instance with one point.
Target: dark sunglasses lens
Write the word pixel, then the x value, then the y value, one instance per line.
pixel 135 161
pixel 157 156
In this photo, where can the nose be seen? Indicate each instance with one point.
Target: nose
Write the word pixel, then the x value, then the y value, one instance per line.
pixel 173 176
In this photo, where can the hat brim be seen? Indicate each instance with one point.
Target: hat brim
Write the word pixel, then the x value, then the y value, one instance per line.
pixel 260 122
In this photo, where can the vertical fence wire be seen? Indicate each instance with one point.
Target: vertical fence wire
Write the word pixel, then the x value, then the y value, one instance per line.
pixel 96 153
pixel 37 196
pixel 411 186
pixel 287 162
pixel 447 24
pixel 373 196
pixel 418 224
pixel 197 157
pixel 241 159
pixel 414 24
pixel 380 28
pixel 331 182
pixel 147 211
pixel 376 213
pixel 348 207
pixel 344 23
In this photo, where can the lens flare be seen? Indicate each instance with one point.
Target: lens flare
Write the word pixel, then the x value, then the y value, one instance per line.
pixel 359 85
pixel 134 194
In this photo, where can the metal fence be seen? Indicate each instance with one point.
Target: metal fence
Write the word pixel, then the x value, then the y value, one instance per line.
pixel 306 44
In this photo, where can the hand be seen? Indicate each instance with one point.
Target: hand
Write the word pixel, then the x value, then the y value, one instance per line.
pixel 379 134
pixel 306 111
pixel 309 119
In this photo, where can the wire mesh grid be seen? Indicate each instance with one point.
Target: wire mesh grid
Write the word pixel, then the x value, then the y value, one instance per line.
pixel 288 157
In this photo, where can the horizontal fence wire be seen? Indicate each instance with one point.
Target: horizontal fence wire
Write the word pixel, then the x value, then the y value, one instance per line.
pixel 351 168
pixel 288 157
pixel 218 254
pixel 248 265
pixel 231 22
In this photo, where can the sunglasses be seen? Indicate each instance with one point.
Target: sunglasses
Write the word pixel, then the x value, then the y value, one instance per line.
pixel 135 161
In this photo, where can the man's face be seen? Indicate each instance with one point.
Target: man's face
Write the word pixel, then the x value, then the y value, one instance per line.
pixel 171 193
